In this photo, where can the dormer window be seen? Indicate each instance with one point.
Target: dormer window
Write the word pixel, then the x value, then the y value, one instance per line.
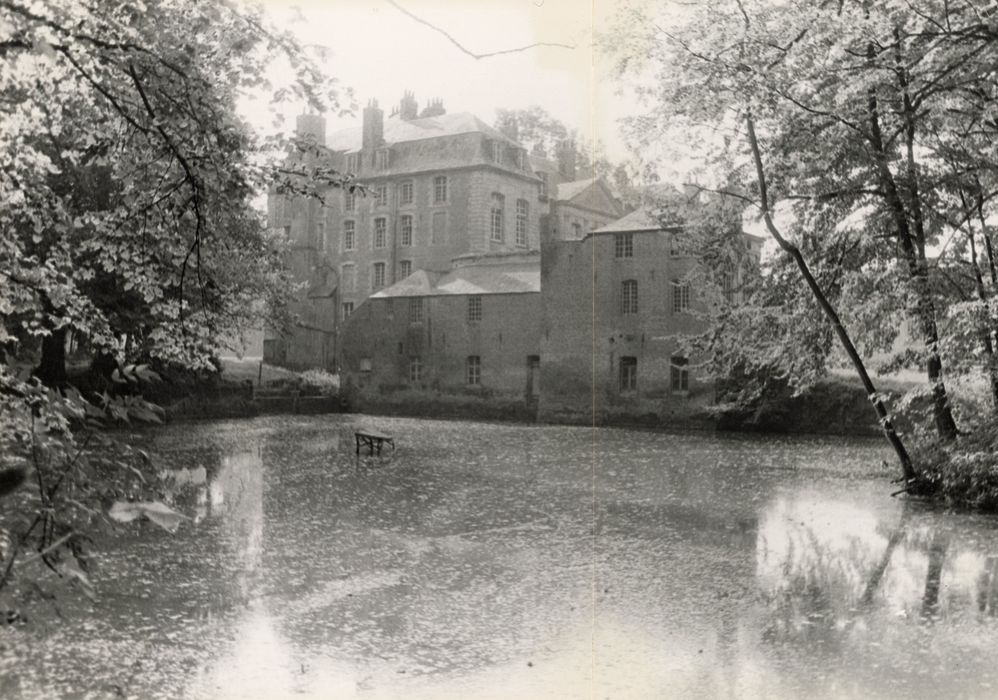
pixel 497 152
pixel 381 159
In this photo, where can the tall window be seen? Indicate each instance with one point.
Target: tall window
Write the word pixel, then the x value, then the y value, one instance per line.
pixel 440 189
pixel 378 276
pixel 495 217
pixel 405 229
pixel 320 236
pixel 353 162
pixel 438 233
pixel 348 278
pixel 629 297
pixel 543 192
pixel 522 216
pixel 347 309
pixel 405 268
pixel 628 373
pixel 680 373
pixel 680 297
pixel 381 159
pixel 349 201
pixel 415 369
pixel 623 245
pixel 405 192
pixel 576 230
pixel 416 310
pixel 349 235
pixel 474 370
pixel 496 151
pixel 380 231
pixel 381 195
pixel 474 309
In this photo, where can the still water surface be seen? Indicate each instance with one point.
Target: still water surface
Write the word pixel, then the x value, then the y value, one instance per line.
pixel 501 561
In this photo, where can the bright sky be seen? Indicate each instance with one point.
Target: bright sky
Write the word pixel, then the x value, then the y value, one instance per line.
pixel 380 52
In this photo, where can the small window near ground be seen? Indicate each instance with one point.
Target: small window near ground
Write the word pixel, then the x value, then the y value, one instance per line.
pixel 680 374
pixel 474 370
pixel 628 373
pixel 347 309
pixel 415 369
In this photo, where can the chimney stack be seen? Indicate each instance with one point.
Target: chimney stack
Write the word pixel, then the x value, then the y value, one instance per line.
pixel 373 135
pixel 434 108
pixel 566 159
pixel 408 108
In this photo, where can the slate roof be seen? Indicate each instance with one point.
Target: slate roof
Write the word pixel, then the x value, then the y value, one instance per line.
pixel 492 278
pixel 565 191
pixel 398 130
pixel 640 219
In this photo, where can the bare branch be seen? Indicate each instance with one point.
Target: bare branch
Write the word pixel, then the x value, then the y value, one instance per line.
pixel 458 44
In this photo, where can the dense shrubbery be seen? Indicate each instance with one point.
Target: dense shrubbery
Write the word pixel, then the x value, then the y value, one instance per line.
pixel 963 472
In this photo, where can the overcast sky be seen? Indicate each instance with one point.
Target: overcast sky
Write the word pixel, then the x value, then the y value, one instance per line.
pixel 380 52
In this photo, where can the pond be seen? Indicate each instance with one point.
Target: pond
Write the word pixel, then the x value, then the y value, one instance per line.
pixel 511 561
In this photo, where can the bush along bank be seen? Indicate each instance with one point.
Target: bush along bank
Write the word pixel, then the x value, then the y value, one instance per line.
pixel 963 472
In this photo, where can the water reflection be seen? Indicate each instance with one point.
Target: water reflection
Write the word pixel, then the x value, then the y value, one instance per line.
pixel 496 561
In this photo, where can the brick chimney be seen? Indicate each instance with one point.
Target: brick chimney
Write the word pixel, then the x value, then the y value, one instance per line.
pixel 311 125
pixel 374 127
pixel 566 159
pixel 408 108
pixel 434 108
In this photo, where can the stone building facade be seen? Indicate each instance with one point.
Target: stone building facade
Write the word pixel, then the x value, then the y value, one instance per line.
pixel 437 186
pixel 616 303
pixel 472 333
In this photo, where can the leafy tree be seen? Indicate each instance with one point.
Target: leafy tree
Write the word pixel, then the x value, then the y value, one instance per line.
pixel 127 181
pixel 874 116
pixel 546 136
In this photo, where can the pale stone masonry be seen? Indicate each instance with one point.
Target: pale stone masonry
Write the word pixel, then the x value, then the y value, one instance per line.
pixel 438 186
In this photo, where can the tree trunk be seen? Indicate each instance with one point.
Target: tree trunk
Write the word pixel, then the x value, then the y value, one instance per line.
pixel 51 368
pixel 917 271
pixel 907 468
pixel 986 341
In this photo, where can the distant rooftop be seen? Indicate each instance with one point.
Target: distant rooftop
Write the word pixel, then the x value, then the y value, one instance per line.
pixel 399 130
pixel 640 219
pixel 488 278
pixel 567 190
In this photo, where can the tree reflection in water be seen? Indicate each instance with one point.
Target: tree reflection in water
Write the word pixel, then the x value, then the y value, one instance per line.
pixel 826 568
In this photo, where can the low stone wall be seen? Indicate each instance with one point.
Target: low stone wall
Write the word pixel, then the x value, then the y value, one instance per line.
pixel 201 408
pixel 430 404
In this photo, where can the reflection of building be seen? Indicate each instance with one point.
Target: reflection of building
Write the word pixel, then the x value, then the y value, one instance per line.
pixel 615 305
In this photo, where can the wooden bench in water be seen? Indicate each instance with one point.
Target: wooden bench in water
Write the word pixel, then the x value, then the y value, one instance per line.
pixel 373 440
